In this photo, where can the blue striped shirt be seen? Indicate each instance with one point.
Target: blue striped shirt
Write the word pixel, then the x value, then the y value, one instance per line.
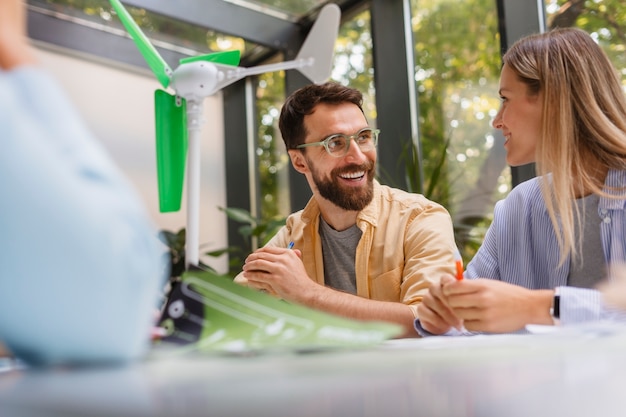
pixel 521 248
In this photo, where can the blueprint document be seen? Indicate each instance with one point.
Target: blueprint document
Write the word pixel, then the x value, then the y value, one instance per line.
pixel 212 313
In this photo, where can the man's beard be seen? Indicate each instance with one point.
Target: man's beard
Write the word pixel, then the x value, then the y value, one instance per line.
pixel 347 198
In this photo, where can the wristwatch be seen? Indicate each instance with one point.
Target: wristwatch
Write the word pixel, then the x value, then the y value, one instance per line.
pixel 555 310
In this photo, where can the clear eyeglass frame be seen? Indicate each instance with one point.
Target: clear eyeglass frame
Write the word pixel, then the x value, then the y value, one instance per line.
pixel 338 145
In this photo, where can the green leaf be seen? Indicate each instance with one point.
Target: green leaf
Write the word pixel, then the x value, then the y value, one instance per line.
pixel 245 231
pixel 220 252
pixel 239 215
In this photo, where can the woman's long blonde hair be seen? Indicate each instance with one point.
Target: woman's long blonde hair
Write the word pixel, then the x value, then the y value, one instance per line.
pixel 583 127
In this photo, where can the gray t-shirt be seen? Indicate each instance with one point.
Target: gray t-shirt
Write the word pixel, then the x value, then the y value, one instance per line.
pixel 592 269
pixel 339 252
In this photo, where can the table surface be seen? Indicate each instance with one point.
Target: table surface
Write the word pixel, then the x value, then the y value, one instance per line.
pixel 578 372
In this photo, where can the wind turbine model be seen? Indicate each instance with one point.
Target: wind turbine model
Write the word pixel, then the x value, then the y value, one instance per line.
pixel 178 115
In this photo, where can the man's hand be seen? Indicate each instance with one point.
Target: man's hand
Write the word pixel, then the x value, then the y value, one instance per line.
pixel 278 271
pixel 497 307
pixel 434 313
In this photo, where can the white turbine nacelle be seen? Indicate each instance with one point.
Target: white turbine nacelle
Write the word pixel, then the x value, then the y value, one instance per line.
pixel 196 80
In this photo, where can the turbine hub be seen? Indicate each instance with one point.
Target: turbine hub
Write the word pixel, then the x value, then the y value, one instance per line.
pixel 196 80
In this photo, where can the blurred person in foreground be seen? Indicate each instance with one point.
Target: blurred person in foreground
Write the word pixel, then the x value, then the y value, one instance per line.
pixel 81 265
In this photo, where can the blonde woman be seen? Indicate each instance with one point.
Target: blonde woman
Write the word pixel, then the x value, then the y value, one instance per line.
pixel 554 237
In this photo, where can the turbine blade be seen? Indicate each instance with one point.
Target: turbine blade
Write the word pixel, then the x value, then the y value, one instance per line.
pixel 225 58
pixel 171 148
pixel 156 63
pixel 314 60
pixel 319 45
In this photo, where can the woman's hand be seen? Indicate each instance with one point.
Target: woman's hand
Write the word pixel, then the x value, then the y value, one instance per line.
pixel 493 306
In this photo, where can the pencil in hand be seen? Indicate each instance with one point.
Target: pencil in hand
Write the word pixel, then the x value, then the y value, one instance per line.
pixel 459 265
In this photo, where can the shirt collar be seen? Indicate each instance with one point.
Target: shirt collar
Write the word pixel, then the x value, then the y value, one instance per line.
pixel 615 179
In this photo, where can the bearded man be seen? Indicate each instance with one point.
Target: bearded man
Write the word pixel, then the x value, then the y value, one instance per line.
pixel 358 249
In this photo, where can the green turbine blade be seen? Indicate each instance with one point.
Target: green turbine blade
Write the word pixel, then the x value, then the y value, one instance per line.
pixel 171 149
pixel 156 63
pixel 226 58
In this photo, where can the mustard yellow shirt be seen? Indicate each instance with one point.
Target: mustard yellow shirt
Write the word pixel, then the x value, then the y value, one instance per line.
pixel 407 244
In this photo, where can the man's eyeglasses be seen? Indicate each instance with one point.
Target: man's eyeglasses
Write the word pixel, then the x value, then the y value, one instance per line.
pixel 337 145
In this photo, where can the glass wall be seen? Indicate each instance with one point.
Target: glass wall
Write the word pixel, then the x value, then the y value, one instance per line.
pixel 457 62
pixel 457 65
pixel 352 66
pixel 605 20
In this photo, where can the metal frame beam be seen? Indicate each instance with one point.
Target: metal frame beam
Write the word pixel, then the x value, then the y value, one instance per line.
pixel 228 18
pixel 237 156
pixel 396 98
pixel 91 41
pixel 254 26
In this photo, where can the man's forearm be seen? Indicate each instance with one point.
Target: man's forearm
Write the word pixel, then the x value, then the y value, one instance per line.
pixel 347 305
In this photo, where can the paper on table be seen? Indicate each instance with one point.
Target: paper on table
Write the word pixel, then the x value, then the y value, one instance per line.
pixel 215 314
pixel 541 329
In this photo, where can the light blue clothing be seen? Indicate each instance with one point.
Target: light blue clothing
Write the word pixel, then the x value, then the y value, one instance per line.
pixel 520 248
pixel 81 265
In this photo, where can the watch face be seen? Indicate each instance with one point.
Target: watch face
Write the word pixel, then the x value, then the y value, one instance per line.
pixel 556 309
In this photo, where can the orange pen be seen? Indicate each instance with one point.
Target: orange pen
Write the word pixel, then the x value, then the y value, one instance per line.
pixel 459 265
